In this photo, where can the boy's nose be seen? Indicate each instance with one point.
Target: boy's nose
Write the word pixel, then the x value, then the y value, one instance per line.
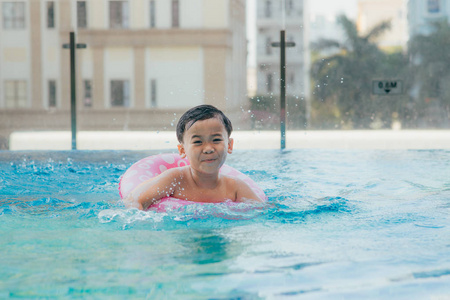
pixel 208 150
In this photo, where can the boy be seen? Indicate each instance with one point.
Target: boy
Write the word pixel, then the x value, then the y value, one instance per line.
pixel 204 136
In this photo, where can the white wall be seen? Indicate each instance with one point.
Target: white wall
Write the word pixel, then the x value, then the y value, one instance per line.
pixel 163 14
pixel 216 13
pixel 86 63
pixel 179 75
pixel 119 64
pixel 97 14
pixel 190 13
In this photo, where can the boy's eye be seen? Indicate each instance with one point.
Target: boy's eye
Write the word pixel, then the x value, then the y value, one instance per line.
pixel 217 140
pixel 197 142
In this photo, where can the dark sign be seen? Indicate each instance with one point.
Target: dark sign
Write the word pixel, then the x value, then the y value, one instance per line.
pixel 387 87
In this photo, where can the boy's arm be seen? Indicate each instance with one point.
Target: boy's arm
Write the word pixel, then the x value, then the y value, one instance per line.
pixel 245 193
pixel 153 190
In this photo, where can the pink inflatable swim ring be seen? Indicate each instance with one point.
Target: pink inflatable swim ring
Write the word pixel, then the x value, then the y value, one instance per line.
pixel 154 165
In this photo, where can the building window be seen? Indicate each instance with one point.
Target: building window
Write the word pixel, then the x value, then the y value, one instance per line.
pixel 118 14
pixel 434 6
pixel 153 93
pixel 50 14
pixel 268 46
pixel 269 83
pixel 152 14
pixel 13 15
pixel 175 13
pixel 87 93
pixel 120 93
pixel 15 93
pixel 81 14
pixel 268 9
pixel 51 93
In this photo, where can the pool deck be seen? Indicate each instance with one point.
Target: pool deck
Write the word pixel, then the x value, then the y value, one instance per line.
pixel 165 140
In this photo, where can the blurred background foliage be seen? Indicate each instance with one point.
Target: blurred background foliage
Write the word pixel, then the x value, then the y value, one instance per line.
pixel 341 80
pixel 265 112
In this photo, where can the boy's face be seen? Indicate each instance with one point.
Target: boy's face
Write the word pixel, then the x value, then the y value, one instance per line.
pixel 206 145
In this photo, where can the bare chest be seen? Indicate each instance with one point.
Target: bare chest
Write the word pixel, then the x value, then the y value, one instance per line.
pixel 189 191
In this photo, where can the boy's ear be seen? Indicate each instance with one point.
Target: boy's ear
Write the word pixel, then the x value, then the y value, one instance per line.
pixel 230 146
pixel 181 151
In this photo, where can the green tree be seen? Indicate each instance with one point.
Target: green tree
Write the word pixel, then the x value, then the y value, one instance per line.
pixel 265 112
pixel 345 78
pixel 430 64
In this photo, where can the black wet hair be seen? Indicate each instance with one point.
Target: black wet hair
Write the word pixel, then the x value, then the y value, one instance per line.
pixel 200 113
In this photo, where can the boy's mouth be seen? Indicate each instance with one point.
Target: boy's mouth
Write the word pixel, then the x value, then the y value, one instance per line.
pixel 209 160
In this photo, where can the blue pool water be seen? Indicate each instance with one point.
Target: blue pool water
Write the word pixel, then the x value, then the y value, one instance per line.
pixel 338 225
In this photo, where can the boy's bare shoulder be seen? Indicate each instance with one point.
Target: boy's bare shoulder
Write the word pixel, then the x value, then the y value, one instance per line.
pixel 242 190
pixel 234 182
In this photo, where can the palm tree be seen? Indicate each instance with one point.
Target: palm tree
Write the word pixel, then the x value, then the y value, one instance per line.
pixel 430 58
pixel 346 77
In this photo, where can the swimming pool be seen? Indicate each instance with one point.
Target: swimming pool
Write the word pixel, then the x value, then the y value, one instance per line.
pixel 339 224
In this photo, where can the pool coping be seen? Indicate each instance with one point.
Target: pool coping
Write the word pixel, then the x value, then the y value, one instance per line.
pixel 307 139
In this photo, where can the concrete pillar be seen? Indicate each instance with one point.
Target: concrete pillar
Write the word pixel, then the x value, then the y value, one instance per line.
pixel 139 77
pixel 98 85
pixel 215 78
pixel 65 28
pixel 36 55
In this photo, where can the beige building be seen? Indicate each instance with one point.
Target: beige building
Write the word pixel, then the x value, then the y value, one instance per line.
pixel 373 12
pixel 145 62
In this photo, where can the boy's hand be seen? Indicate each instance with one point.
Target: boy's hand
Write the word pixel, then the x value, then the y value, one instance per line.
pixel 130 202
